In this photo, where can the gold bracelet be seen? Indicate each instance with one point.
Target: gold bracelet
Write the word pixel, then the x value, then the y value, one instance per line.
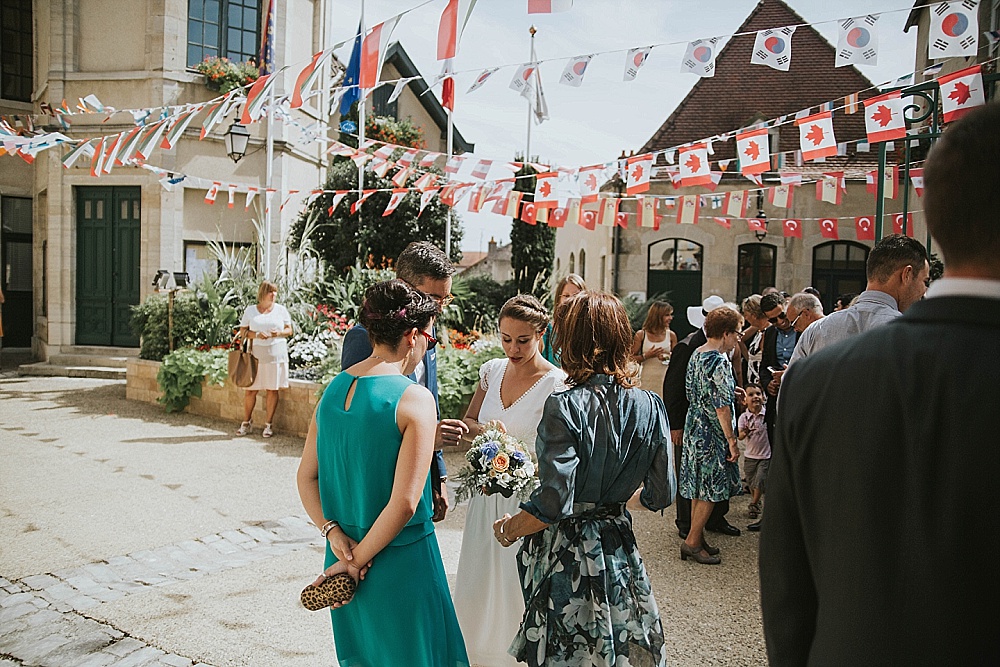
pixel 327 527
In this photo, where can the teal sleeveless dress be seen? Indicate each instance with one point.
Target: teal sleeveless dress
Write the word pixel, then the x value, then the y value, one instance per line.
pixel 402 613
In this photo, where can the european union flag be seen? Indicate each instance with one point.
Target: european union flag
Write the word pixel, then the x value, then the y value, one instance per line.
pixel 267 43
pixel 351 77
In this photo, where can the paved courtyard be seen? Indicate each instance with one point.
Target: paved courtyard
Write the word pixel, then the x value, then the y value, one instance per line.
pixel 131 537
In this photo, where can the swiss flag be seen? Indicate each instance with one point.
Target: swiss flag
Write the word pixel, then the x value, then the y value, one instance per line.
pixel 394 201
pixel 639 169
pixel 897 224
pixel 961 92
pixel 694 165
pixel 756 225
pixel 792 228
pixel 590 182
pixel 545 189
pixel 917 178
pixel 753 152
pixel 884 118
pixel 816 138
pixel 828 228
pixel 865 228
pixel 557 217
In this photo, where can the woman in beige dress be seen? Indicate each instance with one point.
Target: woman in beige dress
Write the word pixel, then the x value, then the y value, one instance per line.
pixel 652 344
pixel 269 326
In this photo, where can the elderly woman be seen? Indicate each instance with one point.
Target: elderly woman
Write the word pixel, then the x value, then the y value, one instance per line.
pixel 569 286
pixel 364 479
pixel 269 325
pixel 587 596
pixel 709 472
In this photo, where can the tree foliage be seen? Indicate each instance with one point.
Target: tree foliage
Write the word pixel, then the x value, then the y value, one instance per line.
pixel 533 247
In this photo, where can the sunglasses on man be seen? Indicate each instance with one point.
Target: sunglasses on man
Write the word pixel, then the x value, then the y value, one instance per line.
pixel 779 316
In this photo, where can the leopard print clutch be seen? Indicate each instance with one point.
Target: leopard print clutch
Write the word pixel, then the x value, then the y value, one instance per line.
pixel 338 588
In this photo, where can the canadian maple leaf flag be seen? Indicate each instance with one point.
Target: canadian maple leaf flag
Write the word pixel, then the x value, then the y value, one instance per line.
pixel 898 222
pixel 816 136
pixel 753 151
pixel 394 201
pixel 590 182
pixel 917 178
pixel 736 203
pixel 549 6
pixel 828 228
pixel 884 118
pixel 792 228
pixel 694 165
pixel 545 189
pixel 954 29
pixel 425 199
pixel 212 192
pixel 639 169
pixel 961 92
pixel 864 227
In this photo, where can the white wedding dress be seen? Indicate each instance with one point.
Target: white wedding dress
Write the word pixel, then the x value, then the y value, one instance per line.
pixel 488 597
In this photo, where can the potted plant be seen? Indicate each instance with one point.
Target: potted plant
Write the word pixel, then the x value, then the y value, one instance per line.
pixel 223 74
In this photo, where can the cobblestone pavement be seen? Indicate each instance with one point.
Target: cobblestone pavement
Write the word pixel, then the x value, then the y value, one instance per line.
pixel 131 538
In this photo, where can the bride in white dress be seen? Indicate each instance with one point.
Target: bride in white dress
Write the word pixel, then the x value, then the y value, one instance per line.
pixel 512 390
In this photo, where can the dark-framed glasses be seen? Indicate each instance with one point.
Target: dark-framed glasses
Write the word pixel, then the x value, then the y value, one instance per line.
pixel 431 340
pixel 780 316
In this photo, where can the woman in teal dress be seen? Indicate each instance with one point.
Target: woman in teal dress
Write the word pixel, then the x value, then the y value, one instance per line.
pixel 588 599
pixel 709 472
pixel 364 479
pixel 569 286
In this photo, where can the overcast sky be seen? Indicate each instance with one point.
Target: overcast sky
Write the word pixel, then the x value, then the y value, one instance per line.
pixel 595 122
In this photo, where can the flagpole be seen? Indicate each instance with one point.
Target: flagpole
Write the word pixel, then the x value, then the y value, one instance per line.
pixel 447 218
pixel 269 170
pixel 361 121
pixel 527 148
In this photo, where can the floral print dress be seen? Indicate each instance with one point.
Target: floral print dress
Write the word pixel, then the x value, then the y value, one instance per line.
pixel 705 474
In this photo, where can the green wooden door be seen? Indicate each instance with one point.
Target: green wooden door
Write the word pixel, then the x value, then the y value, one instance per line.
pixel 673 273
pixel 107 264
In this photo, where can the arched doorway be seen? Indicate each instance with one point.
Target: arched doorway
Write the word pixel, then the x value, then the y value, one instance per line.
pixel 839 268
pixel 572 263
pixel 673 270
pixel 755 269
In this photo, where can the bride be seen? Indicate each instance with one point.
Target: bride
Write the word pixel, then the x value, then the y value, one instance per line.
pixel 512 391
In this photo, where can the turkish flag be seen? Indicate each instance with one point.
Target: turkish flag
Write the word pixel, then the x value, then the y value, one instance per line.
pixel 865 228
pixel 557 218
pixel 723 222
pixel 756 225
pixel 694 165
pixel 884 118
pixel 639 169
pixel 753 152
pixel 529 213
pixel 961 92
pixel 792 228
pixel 816 137
pixel 897 224
pixel 917 178
pixel 621 219
pixel 588 218
pixel 828 228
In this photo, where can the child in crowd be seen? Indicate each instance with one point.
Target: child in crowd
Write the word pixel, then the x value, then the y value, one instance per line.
pixel 757 455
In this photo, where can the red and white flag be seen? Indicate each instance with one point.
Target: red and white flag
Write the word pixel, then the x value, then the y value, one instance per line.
pixel 394 201
pixel 478 197
pixel 890 180
pixel 735 204
pixel 380 167
pixel 781 195
pixel 694 165
pixel 864 227
pixel 753 151
pixel 482 169
pixel 338 197
pixel 917 178
pixel 828 228
pixel 256 97
pixel 573 208
pixel 792 228
pixel 590 182
pixel 723 222
pixel 557 217
pixel 588 217
pixel 528 213
pixel 688 208
pixel 647 211
pixel 425 182
pixel 621 219
pixel 773 47
pixel 884 118
pixel 212 192
pixel 961 92
pixel 251 193
pixel 634 60
pixel 716 179
pixel 481 79
pixel 406 159
pixel 639 168
pixel 756 225
pixel 365 194
pixel 306 78
pixel 510 204
pixel 428 160
pixel 816 136
pixel 453 164
pixel 954 30
pixel 608 211
pixel 699 58
pixel 399 180
pixel 549 6
pixel 898 221
pixel 521 78
pixel 425 199
pixel 831 186
pixel 232 195
pixel 545 189
pixel 373 50
pixel 453 20
pixel 575 69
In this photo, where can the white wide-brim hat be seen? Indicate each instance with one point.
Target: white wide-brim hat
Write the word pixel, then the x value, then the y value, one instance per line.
pixel 696 314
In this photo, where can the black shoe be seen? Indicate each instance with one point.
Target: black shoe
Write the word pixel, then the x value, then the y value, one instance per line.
pixel 754 527
pixel 724 529
pixel 683 534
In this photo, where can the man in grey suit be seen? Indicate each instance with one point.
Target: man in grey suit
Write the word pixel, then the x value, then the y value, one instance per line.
pixel 879 545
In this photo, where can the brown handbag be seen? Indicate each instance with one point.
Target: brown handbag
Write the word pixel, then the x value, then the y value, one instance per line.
pixel 242 363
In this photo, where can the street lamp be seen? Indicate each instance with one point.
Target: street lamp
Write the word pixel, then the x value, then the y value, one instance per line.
pixel 237 139
pixel 761 234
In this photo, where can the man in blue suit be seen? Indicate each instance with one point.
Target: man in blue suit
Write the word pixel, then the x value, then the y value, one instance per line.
pixel 429 270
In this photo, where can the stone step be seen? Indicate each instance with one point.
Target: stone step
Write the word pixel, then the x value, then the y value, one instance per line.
pixel 88 360
pixel 100 350
pixel 53 370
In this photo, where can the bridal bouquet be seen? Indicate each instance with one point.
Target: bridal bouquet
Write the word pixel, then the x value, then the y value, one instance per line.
pixel 498 463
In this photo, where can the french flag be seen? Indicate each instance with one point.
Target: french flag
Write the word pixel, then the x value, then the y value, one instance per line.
pixel 549 6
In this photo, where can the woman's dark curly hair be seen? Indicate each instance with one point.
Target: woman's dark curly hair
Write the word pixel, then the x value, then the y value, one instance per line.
pixel 392 309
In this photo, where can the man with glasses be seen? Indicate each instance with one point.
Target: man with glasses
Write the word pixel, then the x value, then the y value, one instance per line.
pixel 803 309
pixel 776 351
pixel 898 275
pixel 429 270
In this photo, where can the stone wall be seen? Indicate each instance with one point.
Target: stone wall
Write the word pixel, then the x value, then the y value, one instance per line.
pixel 295 408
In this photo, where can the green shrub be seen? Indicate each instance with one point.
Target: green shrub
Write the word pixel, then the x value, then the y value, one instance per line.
pixel 458 375
pixel 201 319
pixel 182 372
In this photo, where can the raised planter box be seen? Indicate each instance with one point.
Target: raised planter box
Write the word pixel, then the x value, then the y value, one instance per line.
pixel 295 408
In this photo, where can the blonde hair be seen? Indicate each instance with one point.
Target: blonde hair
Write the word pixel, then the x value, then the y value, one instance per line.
pixel 266 287
pixel 654 317
pixel 571 279
pixel 594 336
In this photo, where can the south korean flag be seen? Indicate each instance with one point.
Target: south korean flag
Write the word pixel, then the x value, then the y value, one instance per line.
pixel 773 47
pixel 858 41
pixel 954 29
pixel 700 57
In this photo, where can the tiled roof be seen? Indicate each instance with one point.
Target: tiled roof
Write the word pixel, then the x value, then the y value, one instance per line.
pixel 741 94
pixel 470 257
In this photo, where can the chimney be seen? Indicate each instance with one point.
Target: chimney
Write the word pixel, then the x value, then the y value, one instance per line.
pixel 492 247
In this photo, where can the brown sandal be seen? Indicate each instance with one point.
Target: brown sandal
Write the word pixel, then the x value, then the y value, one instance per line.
pixel 338 588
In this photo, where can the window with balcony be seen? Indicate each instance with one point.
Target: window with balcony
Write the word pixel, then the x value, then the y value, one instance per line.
pixel 229 28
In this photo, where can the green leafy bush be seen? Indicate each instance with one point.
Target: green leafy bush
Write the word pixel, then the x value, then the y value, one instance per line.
pixel 458 375
pixel 201 319
pixel 182 372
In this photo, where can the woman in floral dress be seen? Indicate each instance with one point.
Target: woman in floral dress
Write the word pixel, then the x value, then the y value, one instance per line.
pixel 587 596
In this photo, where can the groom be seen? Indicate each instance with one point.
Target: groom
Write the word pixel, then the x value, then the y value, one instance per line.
pixel 428 270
